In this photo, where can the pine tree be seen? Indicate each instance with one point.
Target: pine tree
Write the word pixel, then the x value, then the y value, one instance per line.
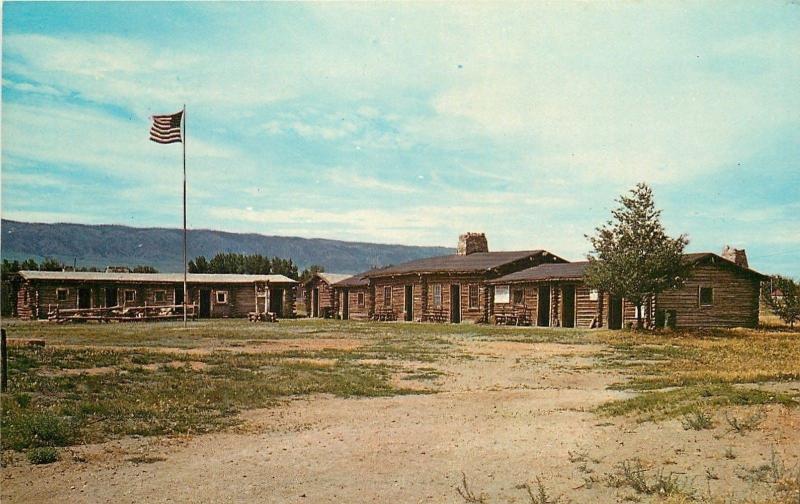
pixel 782 297
pixel 633 257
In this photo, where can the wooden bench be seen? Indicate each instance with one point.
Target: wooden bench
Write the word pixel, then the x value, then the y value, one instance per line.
pixel 434 315
pixel 516 315
pixel 262 317
pixel 384 314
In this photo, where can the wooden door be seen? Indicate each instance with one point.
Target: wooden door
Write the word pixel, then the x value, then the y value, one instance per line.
pixel 84 298
pixel 205 303
pixel 111 297
pixel 345 304
pixel 543 307
pixel 455 303
pixel 568 306
pixel 409 303
pixel 615 313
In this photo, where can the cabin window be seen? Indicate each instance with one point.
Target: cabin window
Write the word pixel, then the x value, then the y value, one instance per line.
pixel 474 298
pixel 501 294
pixel 437 295
pixel 706 296
pixel 160 296
pixel 130 296
pixel 361 299
pixel 519 296
pixel 222 297
pixel 594 295
pixel 61 294
pixel 387 296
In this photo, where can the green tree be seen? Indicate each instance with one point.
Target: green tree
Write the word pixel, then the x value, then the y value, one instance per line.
pixel 144 269
pixel 50 264
pixel 633 257
pixel 782 296
pixel 310 271
pixel 29 265
pixel 198 265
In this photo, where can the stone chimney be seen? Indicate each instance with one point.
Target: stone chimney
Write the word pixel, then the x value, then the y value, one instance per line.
pixel 736 255
pixel 469 243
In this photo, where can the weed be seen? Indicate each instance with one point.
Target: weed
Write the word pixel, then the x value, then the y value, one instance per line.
pixel 467 494
pixel 631 473
pixel 697 420
pixel 43 455
pixel 23 400
pixel 144 459
pixel 540 495
pixel 729 453
pixel 744 426
pixel 26 430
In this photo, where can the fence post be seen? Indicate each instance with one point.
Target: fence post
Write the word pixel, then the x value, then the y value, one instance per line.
pixel 3 361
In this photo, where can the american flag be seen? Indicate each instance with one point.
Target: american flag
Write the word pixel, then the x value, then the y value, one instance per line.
pixel 166 129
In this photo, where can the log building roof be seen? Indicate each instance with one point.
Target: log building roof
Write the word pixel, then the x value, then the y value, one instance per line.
pixel 90 276
pixel 478 262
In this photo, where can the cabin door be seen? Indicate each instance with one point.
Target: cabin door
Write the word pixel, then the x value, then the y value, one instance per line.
pixel 111 297
pixel 178 296
pixel 455 303
pixel 345 304
pixel 568 306
pixel 543 307
pixel 315 302
pixel 409 303
pixel 615 313
pixel 276 301
pixel 84 298
pixel 205 303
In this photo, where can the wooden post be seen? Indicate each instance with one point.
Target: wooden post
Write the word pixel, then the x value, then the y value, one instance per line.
pixel 3 361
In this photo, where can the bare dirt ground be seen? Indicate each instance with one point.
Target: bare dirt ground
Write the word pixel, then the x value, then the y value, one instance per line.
pixel 506 415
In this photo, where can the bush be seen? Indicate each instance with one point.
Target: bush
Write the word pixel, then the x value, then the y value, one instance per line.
pixel 42 455
pixel 36 430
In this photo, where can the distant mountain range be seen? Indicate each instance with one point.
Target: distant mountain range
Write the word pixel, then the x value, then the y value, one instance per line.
pixel 104 245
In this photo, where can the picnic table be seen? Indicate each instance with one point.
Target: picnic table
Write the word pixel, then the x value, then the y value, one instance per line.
pixel 262 317
pixel 515 315
pixel 385 314
pixel 435 315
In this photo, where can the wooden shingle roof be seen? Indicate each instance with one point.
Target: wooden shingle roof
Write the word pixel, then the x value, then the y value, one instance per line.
pixel 90 276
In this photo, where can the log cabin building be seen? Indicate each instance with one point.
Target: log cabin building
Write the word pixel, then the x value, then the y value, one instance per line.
pixel 215 295
pixel 318 294
pixel 449 288
pixel 719 293
pixel 353 298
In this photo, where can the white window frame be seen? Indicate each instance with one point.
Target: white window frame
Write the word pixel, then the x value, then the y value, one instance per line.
pixel 155 296
pixel 437 295
pixel 502 294
pixel 594 294
pixel 387 299
pixel 477 297
pixel 125 295
pixel 224 297
pixel 66 294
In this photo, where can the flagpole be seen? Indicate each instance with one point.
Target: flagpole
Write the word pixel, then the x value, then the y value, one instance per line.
pixel 185 289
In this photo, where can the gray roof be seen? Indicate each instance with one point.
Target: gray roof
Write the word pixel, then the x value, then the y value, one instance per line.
pixel 543 272
pixel 88 276
pixel 478 262
pixel 332 278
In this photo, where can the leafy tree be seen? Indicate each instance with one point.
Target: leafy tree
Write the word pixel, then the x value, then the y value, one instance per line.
pixel 782 297
pixel 198 265
pixel 29 265
pixel 50 264
pixel 144 269
pixel 633 257
pixel 311 271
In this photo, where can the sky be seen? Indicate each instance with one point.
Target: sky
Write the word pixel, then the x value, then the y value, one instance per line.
pixel 411 122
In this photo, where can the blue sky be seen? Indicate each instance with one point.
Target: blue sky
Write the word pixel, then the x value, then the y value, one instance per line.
pixel 411 123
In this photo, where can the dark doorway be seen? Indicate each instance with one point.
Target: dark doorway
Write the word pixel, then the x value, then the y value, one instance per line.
pixel 409 302
pixel 84 298
pixel 179 296
pixel 568 306
pixel 205 303
pixel 276 301
pixel 543 307
pixel 111 297
pixel 345 304
pixel 615 313
pixel 314 303
pixel 455 303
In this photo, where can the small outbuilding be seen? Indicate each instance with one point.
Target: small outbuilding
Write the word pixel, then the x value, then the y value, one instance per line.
pixel 318 294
